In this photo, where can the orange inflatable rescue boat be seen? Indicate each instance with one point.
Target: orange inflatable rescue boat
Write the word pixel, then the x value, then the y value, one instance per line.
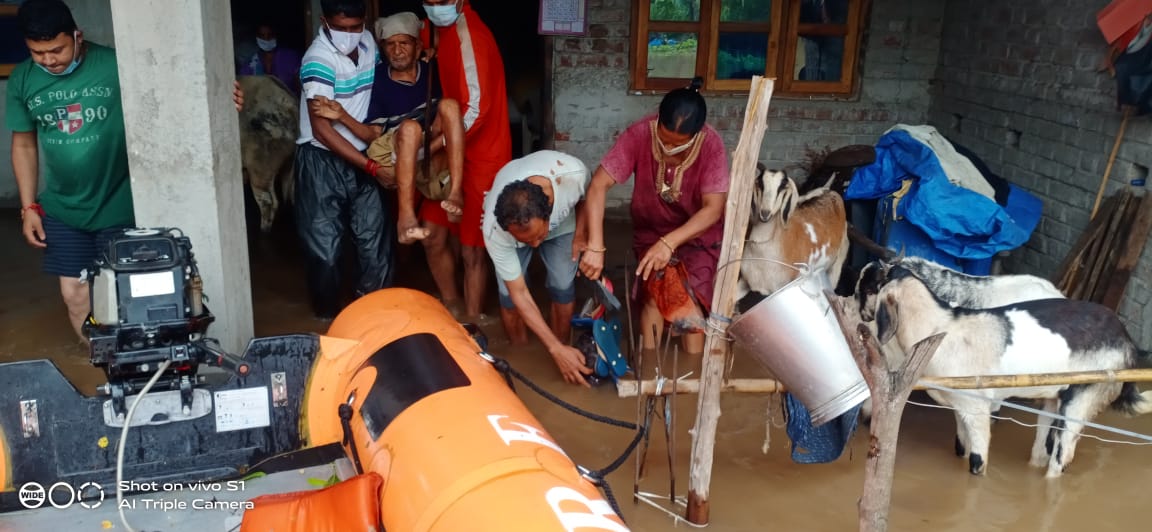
pixel 426 411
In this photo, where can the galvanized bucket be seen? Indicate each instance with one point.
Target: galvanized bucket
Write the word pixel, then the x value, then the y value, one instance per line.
pixel 795 335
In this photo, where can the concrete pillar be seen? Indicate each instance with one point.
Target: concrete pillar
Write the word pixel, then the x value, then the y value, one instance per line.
pixel 176 74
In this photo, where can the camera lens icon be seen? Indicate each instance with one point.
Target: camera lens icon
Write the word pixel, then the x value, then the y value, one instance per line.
pixel 93 501
pixel 61 495
pixel 32 495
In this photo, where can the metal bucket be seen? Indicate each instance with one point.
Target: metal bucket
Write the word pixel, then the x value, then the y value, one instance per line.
pixel 799 341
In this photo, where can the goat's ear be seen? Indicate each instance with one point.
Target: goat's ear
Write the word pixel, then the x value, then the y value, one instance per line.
pixel 887 319
pixel 787 198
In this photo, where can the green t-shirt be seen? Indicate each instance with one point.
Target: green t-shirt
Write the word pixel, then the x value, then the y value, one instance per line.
pixel 79 123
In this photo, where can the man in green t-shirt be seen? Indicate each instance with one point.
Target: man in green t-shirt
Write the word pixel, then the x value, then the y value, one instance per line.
pixel 64 103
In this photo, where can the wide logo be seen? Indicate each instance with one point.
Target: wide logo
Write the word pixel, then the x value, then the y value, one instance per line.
pixel 70 118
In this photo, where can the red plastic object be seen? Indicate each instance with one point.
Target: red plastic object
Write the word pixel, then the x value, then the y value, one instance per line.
pixel 1120 16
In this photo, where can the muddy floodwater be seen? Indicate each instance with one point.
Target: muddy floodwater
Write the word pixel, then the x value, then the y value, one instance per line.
pixel 1105 489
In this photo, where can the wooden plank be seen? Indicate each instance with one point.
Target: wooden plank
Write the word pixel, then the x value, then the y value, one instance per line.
pixel 716 345
pixel 1112 251
pixel 1100 258
pixel 631 388
pixel 1138 234
pixel 1074 260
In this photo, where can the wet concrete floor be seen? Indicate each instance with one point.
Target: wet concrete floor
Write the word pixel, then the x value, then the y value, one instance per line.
pixel 1103 490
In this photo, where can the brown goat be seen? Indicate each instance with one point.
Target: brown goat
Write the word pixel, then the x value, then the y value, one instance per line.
pixel 809 231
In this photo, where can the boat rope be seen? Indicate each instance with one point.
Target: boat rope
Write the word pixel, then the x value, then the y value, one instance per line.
pixel 345 413
pixel 595 476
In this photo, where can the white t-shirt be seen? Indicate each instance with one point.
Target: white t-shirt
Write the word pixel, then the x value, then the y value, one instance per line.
pixel 569 178
pixel 326 72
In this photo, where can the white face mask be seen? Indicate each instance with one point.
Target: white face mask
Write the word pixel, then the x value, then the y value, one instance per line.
pixel 344 41
pixel 266 44
pixel 443 15
pixel 678 149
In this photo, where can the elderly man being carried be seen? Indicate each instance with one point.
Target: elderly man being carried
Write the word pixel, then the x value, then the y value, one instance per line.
pixel 395 127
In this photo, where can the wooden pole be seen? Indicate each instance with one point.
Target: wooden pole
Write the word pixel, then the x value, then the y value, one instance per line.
pixel 890 391
pixel 648 387
pixel 716 346
pixel 1111 159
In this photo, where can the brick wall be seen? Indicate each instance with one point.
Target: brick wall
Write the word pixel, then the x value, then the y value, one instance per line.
pixel 592 102
pixel 1018 84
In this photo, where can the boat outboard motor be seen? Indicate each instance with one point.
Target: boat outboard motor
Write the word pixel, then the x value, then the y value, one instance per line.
pixel 147 307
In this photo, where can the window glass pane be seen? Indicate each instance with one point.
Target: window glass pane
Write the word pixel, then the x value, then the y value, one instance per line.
pixel 818 58
pixel 824 11
pixel 742 55
pixel 671 55
pixel 674 10
pixel 745 10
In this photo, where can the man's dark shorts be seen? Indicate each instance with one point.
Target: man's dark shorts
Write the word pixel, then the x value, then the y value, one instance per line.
pixel 72 250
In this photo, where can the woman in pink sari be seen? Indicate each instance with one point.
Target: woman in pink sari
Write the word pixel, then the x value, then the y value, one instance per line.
pixel 681 184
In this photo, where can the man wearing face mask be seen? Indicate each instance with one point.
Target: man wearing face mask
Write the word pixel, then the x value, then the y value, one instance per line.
pixel 335 182
pixel 63 107
pixel 65 101
pixel 472 73
pixel 272 59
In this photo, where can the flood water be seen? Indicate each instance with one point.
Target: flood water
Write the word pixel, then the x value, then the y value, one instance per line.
pixel 1104 489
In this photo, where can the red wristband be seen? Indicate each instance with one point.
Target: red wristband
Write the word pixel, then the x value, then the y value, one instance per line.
pixel 34 207
pixel 371 167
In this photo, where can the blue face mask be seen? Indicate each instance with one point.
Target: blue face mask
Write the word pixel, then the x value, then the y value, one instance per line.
pixel 443 15
pixel 75 58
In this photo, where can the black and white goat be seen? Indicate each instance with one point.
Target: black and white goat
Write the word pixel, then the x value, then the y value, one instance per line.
pixel 1041 336
pixel 956 288
pixel 788 228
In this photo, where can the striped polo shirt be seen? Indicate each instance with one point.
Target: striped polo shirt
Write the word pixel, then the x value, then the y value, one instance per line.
pixel 327 72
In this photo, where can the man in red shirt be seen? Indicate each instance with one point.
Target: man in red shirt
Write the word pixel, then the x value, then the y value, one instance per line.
pixel 472 73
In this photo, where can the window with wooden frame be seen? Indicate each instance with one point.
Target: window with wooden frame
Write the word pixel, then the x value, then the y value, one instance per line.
pixel 809 46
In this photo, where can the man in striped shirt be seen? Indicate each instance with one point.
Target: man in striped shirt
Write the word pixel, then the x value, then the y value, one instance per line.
pixel 335 182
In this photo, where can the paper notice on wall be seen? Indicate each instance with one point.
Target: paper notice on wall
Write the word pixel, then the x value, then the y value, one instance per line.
pixel 246 408
pixel 563 17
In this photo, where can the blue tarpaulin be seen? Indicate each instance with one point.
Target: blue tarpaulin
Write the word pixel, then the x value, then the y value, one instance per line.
pixel 960 222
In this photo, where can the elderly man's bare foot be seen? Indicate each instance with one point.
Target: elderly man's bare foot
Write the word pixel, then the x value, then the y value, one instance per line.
pixel 454 207
pixel 409 231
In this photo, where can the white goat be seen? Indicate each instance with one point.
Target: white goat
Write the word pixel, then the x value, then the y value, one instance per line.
pixel 1042 336
pixel 956 288
pixel 792 229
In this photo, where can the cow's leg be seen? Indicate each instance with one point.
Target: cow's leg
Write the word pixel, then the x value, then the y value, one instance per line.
pixel 266 200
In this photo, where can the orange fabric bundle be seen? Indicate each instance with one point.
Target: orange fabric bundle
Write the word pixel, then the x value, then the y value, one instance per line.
pixel 673 294
pixel 350 505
